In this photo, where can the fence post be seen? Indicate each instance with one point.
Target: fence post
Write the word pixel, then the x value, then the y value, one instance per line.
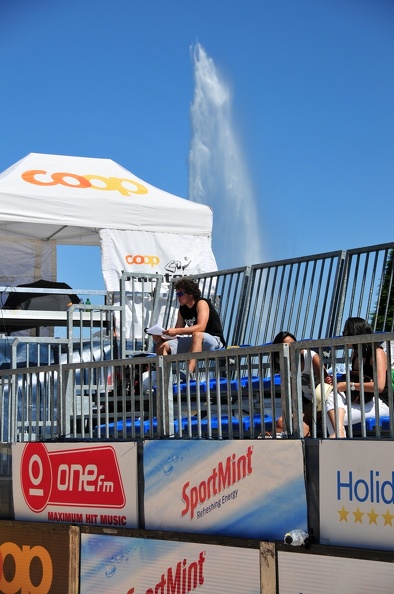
pixel 243 309
pixel 285 387
pixel 165 398
pixel 296 418
pixel 67 383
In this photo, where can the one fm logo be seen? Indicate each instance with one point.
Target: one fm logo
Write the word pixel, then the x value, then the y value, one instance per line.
pixel 85 477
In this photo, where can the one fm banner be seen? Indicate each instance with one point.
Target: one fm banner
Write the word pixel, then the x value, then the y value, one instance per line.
pixel 247 489
pixel 59 482
pixel 357 493
pixel 126 565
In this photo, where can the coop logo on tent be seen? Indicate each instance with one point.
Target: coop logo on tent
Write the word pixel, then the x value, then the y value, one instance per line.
pixel 75 477
pixel 124 186
pixel 172 267
pixel 139 260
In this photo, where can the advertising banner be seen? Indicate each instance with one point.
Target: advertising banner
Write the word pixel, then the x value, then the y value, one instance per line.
pixel 357 493
pixel 126 565
pixel 89 484
pixel 38 559
pixel 324 574
pixel 170 254
pixel 235 488
pixel 142 252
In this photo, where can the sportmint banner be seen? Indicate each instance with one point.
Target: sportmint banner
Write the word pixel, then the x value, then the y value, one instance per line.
pixel 235 488
pixel 126 565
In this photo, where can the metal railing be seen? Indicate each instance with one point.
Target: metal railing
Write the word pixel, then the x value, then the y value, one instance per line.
pixel 308 296
pixel 295 295
pixel 367 417
pixel 234 393
pixel 366 288
pixel 142 300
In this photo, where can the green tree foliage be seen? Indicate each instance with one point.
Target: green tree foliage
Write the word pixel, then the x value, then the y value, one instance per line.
pixel 382 317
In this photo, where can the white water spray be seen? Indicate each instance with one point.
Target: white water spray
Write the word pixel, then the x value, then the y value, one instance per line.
pixel 218 175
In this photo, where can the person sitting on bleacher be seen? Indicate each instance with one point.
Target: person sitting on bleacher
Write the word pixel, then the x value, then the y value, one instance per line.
pixel 310 364
pixel 356 327
pixel 198 327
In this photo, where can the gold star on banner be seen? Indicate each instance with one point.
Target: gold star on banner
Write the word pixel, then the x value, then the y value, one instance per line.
pixel 388 518
pixel 343 514
pixel 358 516
pixel 372 516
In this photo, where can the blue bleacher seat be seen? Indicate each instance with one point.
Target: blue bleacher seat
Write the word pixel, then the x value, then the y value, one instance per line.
pixel 234 384
pixel 224 424
pixel 212 384
pixel 370 424
pixel 255 422
pixel 125 428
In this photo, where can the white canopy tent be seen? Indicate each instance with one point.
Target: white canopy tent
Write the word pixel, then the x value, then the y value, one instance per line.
pixel 52 199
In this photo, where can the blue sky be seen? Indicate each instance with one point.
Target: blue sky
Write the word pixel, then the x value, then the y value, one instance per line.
pixel 312 97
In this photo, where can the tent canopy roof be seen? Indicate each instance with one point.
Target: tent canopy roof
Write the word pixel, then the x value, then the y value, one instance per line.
pixel 69 199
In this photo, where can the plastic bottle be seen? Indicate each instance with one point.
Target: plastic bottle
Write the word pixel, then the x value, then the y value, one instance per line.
pixel 296 538
pixel 282 435
pixel 87 302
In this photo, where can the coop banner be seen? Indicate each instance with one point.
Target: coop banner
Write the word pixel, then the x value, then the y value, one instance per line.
pixel 125 565
pixel 143 252
pixel 90 484
pixel 38 559
pixel 357 493
pixel 234 488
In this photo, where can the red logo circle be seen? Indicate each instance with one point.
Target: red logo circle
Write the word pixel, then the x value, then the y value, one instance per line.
pixel 36 476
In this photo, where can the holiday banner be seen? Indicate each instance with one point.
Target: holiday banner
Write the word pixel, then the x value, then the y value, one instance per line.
pixel 357 493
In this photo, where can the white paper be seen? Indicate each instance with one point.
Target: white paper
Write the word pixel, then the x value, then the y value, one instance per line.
pixel 155 330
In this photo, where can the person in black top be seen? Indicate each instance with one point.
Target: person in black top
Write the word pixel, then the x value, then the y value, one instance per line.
pixel 198 326
pixel 374 377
